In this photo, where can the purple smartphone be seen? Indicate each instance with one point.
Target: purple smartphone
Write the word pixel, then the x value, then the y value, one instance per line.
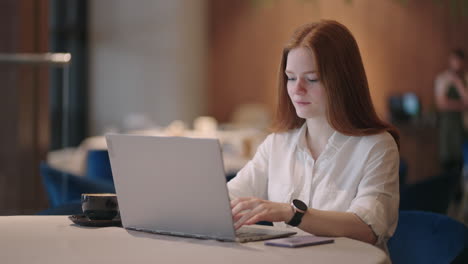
pixel 299 241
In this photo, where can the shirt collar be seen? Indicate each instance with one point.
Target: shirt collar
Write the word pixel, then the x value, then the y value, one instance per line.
pixel 300 140
pixel 334 143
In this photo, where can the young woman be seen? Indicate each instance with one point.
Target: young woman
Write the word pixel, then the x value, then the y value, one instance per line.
pixel 331 166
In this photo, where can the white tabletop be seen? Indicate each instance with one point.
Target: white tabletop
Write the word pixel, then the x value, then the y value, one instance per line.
pixel 55 239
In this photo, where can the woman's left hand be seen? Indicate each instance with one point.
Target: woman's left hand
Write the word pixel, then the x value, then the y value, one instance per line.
pixel 250 210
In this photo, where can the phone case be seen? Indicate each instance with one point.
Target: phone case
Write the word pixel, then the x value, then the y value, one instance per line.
pixel 299 241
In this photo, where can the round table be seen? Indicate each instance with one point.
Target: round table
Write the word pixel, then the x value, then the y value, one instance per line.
pixel 55 239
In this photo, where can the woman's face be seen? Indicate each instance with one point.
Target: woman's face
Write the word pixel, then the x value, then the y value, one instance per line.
pixel 456 64
pixel 303 84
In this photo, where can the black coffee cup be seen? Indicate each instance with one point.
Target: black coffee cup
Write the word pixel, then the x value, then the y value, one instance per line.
pixel 99 206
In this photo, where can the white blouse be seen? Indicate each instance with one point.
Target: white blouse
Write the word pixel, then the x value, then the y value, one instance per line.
pixel 352 174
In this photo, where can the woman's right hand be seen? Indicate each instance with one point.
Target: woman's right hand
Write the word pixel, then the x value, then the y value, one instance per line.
pixel 250 210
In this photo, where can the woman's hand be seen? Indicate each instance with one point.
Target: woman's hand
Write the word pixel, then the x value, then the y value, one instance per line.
pixel 250 210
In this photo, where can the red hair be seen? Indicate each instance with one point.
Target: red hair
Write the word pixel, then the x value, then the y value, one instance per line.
pixel 349 106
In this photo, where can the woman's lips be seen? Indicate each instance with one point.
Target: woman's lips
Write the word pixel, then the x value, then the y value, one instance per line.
pixel 303 103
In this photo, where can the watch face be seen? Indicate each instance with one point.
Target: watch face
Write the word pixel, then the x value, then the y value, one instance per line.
pixel 300 204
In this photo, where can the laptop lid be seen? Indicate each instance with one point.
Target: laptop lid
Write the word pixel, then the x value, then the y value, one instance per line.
pixel 171 185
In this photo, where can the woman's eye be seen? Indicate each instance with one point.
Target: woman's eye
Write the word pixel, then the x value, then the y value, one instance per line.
pixel 291 79
pixel 312 80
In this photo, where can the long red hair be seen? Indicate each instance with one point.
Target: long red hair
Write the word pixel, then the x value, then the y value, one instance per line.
pixel 349 106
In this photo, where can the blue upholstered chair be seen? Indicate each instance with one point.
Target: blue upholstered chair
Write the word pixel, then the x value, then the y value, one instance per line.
pixel 424 237
pixel 65 188
pixel 98 165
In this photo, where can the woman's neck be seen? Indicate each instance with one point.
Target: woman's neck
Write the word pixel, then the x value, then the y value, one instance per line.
pixel 318 133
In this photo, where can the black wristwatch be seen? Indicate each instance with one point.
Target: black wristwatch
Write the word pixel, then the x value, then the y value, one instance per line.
pixel 299 208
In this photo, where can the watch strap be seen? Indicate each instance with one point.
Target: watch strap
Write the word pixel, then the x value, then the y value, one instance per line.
pixel 297 217
pixel 296 220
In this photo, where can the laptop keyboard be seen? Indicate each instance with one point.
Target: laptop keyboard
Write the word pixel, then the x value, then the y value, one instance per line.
pixel 252 231
pixel 249 234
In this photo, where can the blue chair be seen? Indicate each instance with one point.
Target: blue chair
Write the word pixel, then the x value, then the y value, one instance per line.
pixel 98 165
pixel 65 188
pixel 424 237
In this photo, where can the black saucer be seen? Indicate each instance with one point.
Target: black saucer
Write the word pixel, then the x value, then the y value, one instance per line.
pixel 83 220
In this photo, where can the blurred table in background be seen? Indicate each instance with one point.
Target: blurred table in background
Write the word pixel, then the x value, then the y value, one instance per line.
pixel 238 147
pixel 418 147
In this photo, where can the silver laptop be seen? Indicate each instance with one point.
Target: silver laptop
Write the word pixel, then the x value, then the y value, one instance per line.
pixel 176 186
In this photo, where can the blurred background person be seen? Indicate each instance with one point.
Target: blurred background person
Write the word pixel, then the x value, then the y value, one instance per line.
pixel 451 97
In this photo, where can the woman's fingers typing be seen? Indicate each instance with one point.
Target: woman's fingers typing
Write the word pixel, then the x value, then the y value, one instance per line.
pixel 250 210
pixel 243 209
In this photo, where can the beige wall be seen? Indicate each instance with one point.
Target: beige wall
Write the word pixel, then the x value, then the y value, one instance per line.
pixel 403 46
pixel 146 56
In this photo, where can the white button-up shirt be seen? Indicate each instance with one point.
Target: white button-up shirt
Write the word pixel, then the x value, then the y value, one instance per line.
pixel 357 174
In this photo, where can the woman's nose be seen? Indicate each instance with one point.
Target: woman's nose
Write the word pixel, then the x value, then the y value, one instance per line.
pixel 299 87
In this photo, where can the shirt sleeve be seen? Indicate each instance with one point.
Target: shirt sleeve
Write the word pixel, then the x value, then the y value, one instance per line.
pixel 377 199
pixel 252 179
